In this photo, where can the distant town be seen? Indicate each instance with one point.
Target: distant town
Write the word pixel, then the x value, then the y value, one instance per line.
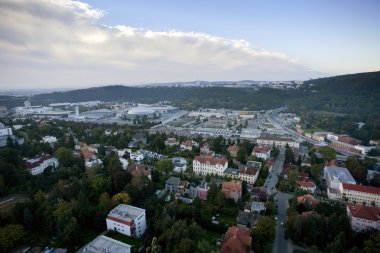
pixel 132 177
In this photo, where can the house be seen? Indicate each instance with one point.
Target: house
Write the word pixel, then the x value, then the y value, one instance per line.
pixel 139 169
pixel 334 176
pixel 38 164
pixel 202 190
pixel 179 164
pixel 204 165
pixel 232 190
pixel 306 185
pixel 236 240
pixel 105 244
pixel 303 176
pixel 171 142
pixel 205 150
pixel 139 138
pixel 261 152
pixel 49 139
pixel 5 132
pixel 246 220
pixel 257 207
pixel 248 173
pixel 93 163
pixel 137 156
pixel 127 220
pixel 172 184
pixel 360 194
pixel 307 199
pixel 124 163
pixel 189 144
pixel 233 150
pixel 363 217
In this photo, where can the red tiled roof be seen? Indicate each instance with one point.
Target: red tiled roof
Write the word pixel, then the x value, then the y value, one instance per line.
pixel 306 184
pixel 307 198
pixel 233 148
pixel 303 176
pixel 232 186
pixel 261 150
pixel 138 170
pixel 361 188
pixel 248 170
pixel 364 212
pixel 211 160
pixel 188 143
pixel 237 239
pixel 37 161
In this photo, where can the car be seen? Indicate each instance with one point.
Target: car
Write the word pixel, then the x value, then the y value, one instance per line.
pixel 282 224
pixel 276 218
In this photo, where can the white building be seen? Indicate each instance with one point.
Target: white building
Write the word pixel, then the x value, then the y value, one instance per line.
pixel 278 142
pixel 124 163
pixel 127 220
pixel 93 163
pixel 107 245
pixel 209 165
pixel 49 139
pixel 37 165
pixel 334 176
pixel 261 152
pixel 5 132
pixel 189 144
pixel 360 194
pixel 137 156
pixel 363 217
pixel 179 164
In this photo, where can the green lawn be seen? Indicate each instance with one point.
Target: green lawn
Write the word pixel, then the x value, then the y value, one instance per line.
pixel 136 243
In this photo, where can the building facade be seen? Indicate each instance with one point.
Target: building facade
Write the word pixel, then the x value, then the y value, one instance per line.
pixel 360 194
pixel 204 165
pixel 38 164
pixel 363 217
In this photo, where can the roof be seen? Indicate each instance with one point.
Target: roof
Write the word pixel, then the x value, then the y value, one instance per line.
pixel 103 244
pixel 138 169
pixel 188 143
pixel 125 212
pixel 250 170
pixel 37 161
pixel 261 150
pixel 364 212
pixel 211 160
pixel 340 173
pixel 233 148
pixel 275 139
pixel 247 219
pixel 173 180
pixel 361 188
pixel 232 186
pixel 237 239
pixel 306 184
pixel 307 198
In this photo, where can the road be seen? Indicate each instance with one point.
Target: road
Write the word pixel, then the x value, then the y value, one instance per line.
pixel 272 179
pixel 280 244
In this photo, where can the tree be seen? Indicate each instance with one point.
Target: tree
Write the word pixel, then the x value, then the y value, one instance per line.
pixel 121 198
pixel 154 247
pixel 293 175
pixel 10 236
pixel 66 225
pixel 64 156
pixel 263 233
pixel 241 155
pixel 328 153
pixel 165 166
pixel 289 155
pixel 269 208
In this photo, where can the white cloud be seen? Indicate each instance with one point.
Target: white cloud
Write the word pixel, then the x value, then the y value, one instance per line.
pixel 59 43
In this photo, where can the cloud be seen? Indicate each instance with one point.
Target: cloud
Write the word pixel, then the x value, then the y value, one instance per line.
pixel 60 43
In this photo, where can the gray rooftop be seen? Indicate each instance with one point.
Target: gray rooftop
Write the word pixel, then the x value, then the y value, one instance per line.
pixel 104 244
pixel 340 173
pixel 173 181
pixel 126 212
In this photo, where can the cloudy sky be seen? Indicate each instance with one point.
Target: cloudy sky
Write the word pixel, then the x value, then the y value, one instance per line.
pixel 72 44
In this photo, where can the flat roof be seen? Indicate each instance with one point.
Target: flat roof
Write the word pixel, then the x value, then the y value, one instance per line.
pixel 104 244
pixel 341 173
pixel 126 212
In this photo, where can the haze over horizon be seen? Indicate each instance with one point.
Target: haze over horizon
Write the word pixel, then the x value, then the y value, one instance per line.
pixel 78 44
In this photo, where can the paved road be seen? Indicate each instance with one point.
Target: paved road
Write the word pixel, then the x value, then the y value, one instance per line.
pixel 280 244
pixel 272 179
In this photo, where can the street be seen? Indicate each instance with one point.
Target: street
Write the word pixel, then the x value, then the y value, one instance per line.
pixel 280 244
pixel 272 179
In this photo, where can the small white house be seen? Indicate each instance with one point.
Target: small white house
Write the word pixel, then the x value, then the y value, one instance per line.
pixel 137 156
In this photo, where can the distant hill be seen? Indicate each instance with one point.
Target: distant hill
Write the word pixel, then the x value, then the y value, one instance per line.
pixel 349 94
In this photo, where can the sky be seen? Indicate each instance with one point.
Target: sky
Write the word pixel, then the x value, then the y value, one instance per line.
pixel 76 44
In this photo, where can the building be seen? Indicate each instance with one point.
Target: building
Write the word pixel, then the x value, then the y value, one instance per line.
pixel 319 136
pixel 179 164
pixel 139 169
pixel 5 132
pixel 171 142
pixel 257 206
pixel 306 185
pixel 127 220
pixel 307 199
pixel 202 190
pixel 363 217
pixel 38 164
pixel 236 240
pixel 204 165
pixel 248 173
pixel 189 144
pixel 232 190
pixel 334 176
pixel 233 150
pixel 172 184
pixel 278 142
pixel 246 219
pixel 49 139
pixel 360 194
pixel 261 152
pixel 205 150
pixel 137 156
pixel 105 244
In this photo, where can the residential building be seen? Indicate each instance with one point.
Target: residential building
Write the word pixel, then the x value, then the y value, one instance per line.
pixel 172 184
pixel 307 199
pixel 205 150
pixel 49 139
pixel 360 194
pixel 334 176
pixel 202 190
pixel 179 164
pixel 127 220
pixel 38 164
pixel 306 185
pixel 204 165
pixel 248 173
pixel 171 142
pixel 93 163
pixel 5 132
pixel 189 144
pixel 105 244
pixel 278 142
pixel 246 219
pixel 139 169
pixel 233 150
pixel 363 217
pixel 236 240
pixel 137 156
pixel 319 136
pixel 232 190
pixel 261 152
pixel 257 206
